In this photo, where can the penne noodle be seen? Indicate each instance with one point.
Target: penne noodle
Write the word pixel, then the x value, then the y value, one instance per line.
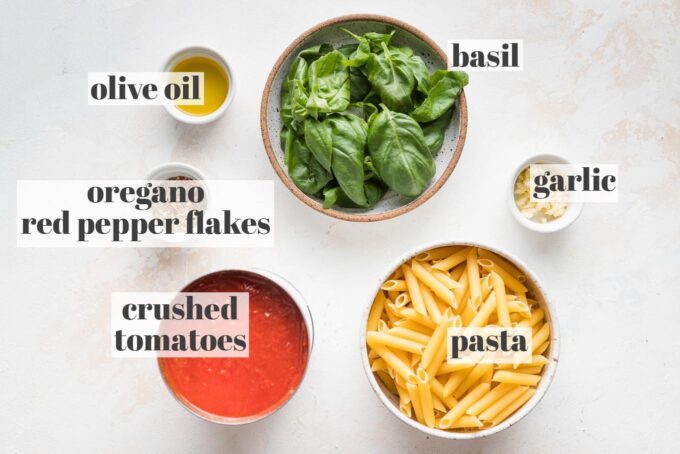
pixel 536 317
pixel 529 370
pixel 396 342
pixel 372 355
pixel 536 360
pixel 512 283
pixel 473 277
pixel 542 348
pixel 387 381
pixel 375 312
pixel 417 317
pixel 392 295
pixel 437 404
pixel 486 401
pixel 488 375
pixel 414 289
pixel 378 364
pixel 452 260
pixel 466 422
pixel 404 398
pixel 485 286
pixel 392 360
pixel 498 406
pixel 458 272
pixel 437 362
pixel 519 306
pixel 413 326
pixel 541 336
pixel 437 339
pixel 455 379
pixel 437 287
pixel 425 396
pixel 406 409
pixel 448 368
pixel 394 286
pixel 402 300
pixel 485 311
pixel 431 305
pixel 514 405
pixel 437 254
pixel 438 390
pixel 501 302
pixel 461 407
pixel 415 359
pixel 460 292
pixel 503 263
pixel 505 376
pixel 415 401
pixel 471 379
pixel 409 334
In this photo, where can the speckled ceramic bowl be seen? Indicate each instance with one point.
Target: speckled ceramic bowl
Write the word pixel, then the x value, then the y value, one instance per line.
pixel 330 32
pixel 391 401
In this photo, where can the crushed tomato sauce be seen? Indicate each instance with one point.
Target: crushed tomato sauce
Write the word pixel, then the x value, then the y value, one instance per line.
pixel 246 387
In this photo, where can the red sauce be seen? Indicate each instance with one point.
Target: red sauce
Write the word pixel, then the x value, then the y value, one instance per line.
pixel 243 387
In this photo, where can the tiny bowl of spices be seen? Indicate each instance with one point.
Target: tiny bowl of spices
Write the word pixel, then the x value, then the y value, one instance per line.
pixel 182 177
pixel 544 217
pixel 218 84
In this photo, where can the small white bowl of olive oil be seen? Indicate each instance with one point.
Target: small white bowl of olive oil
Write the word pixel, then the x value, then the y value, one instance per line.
pixel 218 84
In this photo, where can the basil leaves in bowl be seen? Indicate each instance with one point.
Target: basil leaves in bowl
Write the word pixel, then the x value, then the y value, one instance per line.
pixel 360 118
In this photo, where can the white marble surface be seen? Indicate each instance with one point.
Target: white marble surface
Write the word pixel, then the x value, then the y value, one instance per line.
pixel 600 84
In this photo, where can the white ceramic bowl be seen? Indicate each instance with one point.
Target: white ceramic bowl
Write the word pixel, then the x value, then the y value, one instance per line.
pixel 573 208
pixel 391 401
pixel 299 300
pixel 193 51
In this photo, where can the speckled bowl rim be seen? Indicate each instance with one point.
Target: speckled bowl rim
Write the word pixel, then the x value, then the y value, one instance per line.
pixel 309 201
pixel 547 376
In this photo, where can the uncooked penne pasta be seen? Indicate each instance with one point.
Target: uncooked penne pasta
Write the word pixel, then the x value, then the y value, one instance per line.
pixel 510 282
pixel 514 405
pixel 473 277
pixel 437 287
pixel 394 285
pixel 414 289
pixel 498 406
pixel 452 260
pixel 461 407
pixel 425 396
pixel 506 376
pixel 501 302
pixel 409 334
pixel 396 342
pixel 406 335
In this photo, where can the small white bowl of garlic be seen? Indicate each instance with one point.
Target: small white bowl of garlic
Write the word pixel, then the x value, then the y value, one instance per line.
pixel 542 217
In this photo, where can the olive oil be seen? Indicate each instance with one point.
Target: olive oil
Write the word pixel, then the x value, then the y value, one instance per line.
pixel 215 80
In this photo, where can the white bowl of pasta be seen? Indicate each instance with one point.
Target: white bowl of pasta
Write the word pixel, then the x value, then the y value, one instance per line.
pixel 404 337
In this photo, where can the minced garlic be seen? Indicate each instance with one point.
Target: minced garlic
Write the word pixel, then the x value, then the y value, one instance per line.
pixel 537 211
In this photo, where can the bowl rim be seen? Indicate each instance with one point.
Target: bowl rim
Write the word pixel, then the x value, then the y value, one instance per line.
pixel 547 377
pixel 306 314
pixel 316 205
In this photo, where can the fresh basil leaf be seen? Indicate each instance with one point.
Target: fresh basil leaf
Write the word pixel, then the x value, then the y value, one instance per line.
pixel 333 195
pixel 435 131
pixel 329 88
pixel 399 152
pixel 392 79
pixel 304 170
pixel 420 72
pixel 445 87
pixel 299 101
pixel 349 134
pixel 318 140
pixel 315 52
